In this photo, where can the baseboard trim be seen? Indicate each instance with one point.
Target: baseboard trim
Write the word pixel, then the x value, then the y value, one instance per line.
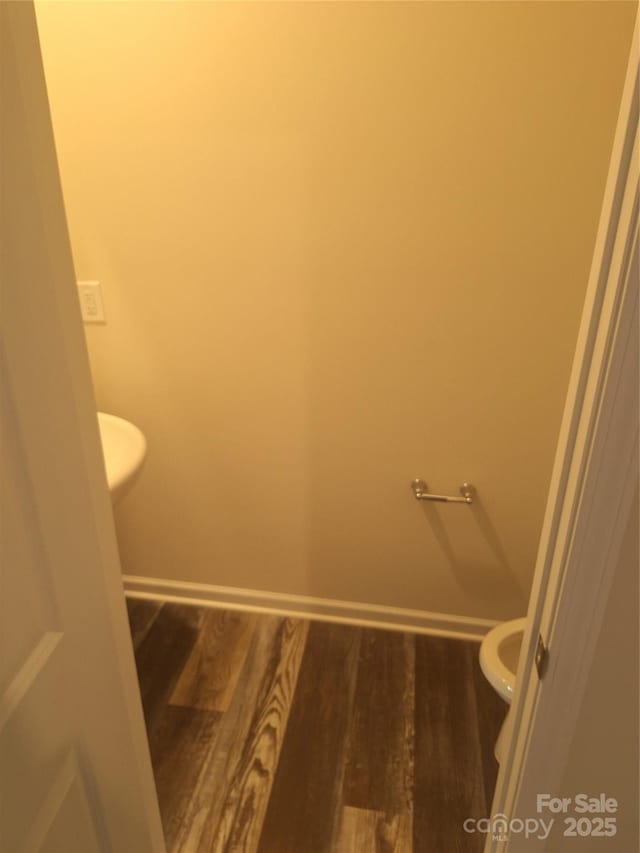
pixel 308 607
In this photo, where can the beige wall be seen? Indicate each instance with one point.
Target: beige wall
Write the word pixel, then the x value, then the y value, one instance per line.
pixel 604 750
pixel 342 245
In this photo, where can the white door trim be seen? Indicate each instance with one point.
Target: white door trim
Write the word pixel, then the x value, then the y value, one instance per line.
pixel 593 484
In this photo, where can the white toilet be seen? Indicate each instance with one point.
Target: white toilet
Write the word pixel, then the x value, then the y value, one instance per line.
pixel 499 655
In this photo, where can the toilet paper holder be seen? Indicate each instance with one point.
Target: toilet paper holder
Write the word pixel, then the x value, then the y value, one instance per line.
pixel 421 492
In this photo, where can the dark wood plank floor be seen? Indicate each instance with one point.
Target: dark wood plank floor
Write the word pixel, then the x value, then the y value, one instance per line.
pixel 275 735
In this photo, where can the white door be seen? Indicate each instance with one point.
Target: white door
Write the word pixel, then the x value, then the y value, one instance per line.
pixel 592 502
pixel 75 774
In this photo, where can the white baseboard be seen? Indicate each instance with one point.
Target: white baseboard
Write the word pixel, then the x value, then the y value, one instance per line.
pixel 308 607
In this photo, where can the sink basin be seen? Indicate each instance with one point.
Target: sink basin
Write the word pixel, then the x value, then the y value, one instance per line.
pixel 124 448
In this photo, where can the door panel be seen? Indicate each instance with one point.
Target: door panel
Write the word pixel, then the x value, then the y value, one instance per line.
pixel 64 813
pixel 75 773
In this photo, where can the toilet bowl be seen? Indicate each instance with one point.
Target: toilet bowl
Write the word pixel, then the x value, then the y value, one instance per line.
pixel 499 656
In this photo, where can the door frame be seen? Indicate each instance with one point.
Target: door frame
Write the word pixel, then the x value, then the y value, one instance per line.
pixel 589 504
pixel 589 476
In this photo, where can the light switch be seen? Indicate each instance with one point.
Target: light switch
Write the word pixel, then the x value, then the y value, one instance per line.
pixel 91 303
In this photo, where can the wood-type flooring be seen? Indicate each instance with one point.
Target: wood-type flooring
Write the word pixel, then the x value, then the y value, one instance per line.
pixel 277 735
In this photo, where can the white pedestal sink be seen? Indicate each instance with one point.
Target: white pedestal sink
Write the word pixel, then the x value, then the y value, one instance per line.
pixel 124 448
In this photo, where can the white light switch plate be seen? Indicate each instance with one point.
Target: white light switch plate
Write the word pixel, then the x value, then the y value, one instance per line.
pixel 91 303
